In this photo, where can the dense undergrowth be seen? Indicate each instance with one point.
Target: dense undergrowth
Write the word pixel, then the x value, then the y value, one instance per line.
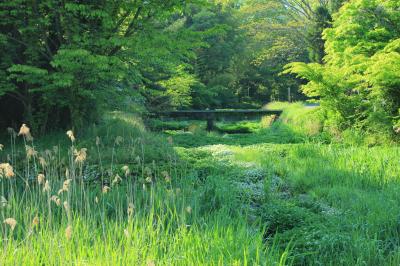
pixel 117 194
pixel 284 193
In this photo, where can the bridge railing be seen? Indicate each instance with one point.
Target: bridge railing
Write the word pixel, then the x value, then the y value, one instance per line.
pixel 211 115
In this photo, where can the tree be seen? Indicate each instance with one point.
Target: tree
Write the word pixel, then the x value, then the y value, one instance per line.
pixel 60 60
pixel 272 42
pixel 359 84
pixel 216 62
pixel 312 17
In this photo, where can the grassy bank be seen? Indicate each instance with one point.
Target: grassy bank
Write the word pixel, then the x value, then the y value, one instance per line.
pixel 331 199
pixel 117 194
pixel 283 194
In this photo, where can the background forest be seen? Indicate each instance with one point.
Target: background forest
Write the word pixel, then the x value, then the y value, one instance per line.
pixel 63 63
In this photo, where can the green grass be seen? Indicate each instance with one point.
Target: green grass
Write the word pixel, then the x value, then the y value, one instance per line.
pixel 160 125
pixel 231 127
pixel 276 196
pixel 177 220
pixel 334 204
pixel 239 127
pixel 303 119
pixel 344 199
pixel 161 230
pixel 277 133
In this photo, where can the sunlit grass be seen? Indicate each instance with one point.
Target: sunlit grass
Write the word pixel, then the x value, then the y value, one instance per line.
pixel 273 197
pixel 101 201
pixel 359 184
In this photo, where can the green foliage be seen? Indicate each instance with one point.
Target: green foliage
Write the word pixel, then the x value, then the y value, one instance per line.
pixel 179 88
pixel 239 127
pixel 317 186
pixel 305 119
pixel 335 201
pixel 197 195
pixel 282 216
pixel 215 63
pixel 85 58
pixel 262 198
pixel 329 203
pixel 123 135
pixel 357 86
pixel 63 62
pixel 271 44
pixel 322 21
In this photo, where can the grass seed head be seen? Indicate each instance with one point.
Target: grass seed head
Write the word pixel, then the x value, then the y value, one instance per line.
pixel 70 135
pixel 126 170
pixel 35 221
pixel 40 179
pixel 6 170
pixel 11 222
pixel 116 180
pixel 42 162
pixel 68 232
pixel 66 185
pixel 30 152
pixel 131 209
pixel 106 189
pixel 24 130
pixel 47 187
pixel 80 156
pixel 56 200
pixel 66 206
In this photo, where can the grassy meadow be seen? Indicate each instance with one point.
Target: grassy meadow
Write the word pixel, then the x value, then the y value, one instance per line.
pixel 128 192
